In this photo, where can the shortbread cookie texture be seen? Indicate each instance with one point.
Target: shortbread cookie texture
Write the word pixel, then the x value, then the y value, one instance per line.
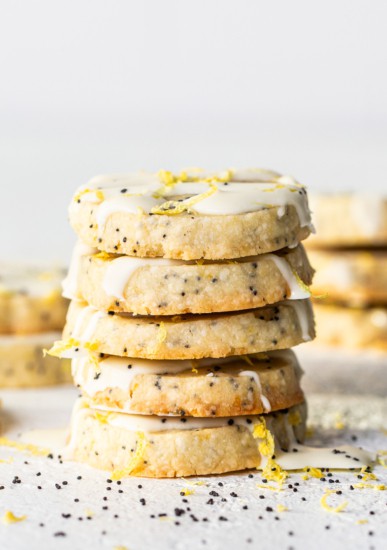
pixel 349 219
pixel 22 364
pixel 281 326
pixel 30 299
pixel 190 217
pixel 352 328
pixel 173 447
pixel 158 286
pixel 219 387
pixel 351 277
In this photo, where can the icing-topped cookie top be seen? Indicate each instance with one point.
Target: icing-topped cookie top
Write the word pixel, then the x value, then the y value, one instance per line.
pixel 195 191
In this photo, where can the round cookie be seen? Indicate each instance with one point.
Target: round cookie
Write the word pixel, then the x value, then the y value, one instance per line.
pixel 352 277
pixel 30 299
pixel 174 447
pixel 280 326
pixel 349 219
pixel 218 216
pixel 158 286
pixel 218 387
pixel 351 328
pixel 22 364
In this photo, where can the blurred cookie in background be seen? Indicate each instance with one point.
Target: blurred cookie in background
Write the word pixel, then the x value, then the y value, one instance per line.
pixel 348 220
pixel 32 313
pixel 349 254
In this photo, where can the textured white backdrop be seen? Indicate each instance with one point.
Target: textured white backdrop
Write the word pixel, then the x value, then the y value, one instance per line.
pixel 91 86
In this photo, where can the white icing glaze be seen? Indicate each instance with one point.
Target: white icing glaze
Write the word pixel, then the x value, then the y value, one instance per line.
pixel 117 372
pixel 123 203
pixel 83 333
pixel 304 456
pixel 120 270
pixel 323 457
pixel 114 372
pixel 254 374
pixel 246 191
pixel 296 291
pixel 303 309
pixel 70 283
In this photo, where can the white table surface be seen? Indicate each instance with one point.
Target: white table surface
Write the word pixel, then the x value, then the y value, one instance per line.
pixel 128 523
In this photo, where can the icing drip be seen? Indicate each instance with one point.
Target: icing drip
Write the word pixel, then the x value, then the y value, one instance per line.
pixel 120 270
pixel 296 291
pixel 253 374
pixel 70 283
pixel 303 309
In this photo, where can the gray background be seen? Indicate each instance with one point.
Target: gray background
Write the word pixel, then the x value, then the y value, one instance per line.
pixel 93 86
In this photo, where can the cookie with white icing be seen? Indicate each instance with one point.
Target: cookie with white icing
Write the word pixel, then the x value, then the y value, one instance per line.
pixel 191 215
pixel 30 299
pixel 351 328
pixel 352 277
pixel 150 446
pixel 22 364
pixel 280 326
pixel 218 387
pixel 349 219
pixel 158 286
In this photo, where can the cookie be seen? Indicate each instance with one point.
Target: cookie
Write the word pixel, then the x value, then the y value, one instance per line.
pixel 22 364
pixel 352 328
pixel 353 277
pixel 190 217
pixel 158 286
pixel 280 326
pixel 149 446
pixel 217 387
pixel 30 299
pixel 349 219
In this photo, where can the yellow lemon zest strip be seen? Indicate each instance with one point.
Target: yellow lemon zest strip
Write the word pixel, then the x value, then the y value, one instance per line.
pixel 247 359
pixel 380 487
pixel 102 417
pixel 25 447
pixel 103 255
pixel 272 471
pixel 186 492
pixel 270 487
pixel 282 508
pixel 327 507
pixel 98 193
pixel 312 472
pixel 60 346
pixel 172 208
pixel 367 474
pixel 134 461
pixel 9 517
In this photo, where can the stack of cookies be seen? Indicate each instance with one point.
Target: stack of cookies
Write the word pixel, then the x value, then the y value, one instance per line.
pixel 187 292
pixel 32 311
pixel 349 252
